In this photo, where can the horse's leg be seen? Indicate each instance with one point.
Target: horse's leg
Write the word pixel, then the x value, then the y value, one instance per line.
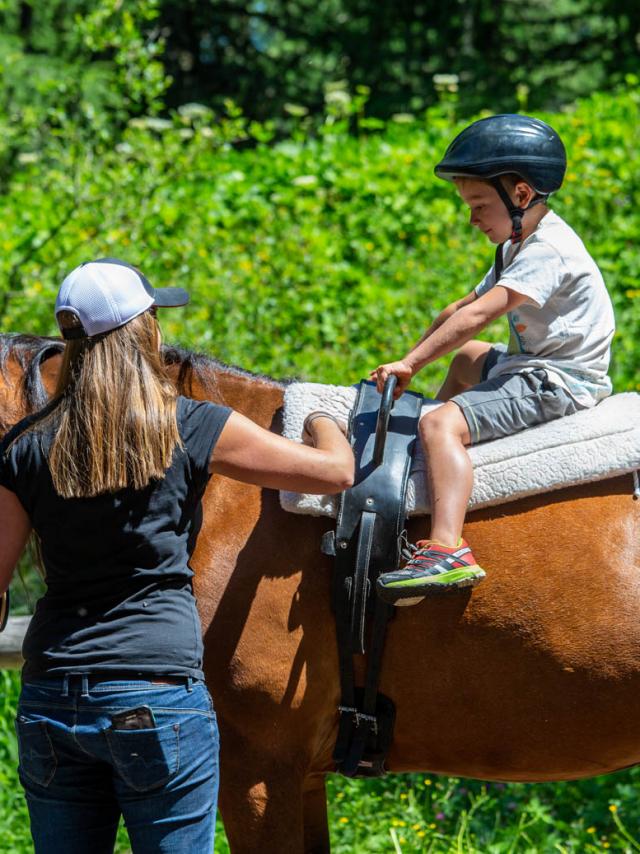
pixel 316 825
pixel 261 802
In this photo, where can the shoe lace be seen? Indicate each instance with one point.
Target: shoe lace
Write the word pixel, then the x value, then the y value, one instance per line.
pixel 407 549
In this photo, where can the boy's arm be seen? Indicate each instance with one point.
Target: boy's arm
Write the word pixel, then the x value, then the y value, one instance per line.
pixel 399 368
pixel 444 315
pixel 459 326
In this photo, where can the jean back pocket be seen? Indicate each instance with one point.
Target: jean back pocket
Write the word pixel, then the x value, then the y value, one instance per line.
pixel 37 757
pixel 145 758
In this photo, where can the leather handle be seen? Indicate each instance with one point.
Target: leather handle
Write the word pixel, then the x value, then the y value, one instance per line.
pixel 384 413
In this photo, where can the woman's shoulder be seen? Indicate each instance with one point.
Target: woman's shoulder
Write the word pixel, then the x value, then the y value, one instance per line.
pixel 197 415
pixel 200 423
pixel 189 407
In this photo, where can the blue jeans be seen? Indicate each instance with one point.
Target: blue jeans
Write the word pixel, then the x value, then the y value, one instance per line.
pixel 81 770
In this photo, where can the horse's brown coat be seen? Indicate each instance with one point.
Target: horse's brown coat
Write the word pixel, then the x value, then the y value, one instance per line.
pixel 533 677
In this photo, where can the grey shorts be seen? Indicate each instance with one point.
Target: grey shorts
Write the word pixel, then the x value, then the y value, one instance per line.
pixel 508 403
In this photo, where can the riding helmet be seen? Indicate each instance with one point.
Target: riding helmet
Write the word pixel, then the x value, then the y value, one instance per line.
pixel 511 143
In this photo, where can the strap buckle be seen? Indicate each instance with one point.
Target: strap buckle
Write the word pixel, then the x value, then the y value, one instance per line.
pixel 358 716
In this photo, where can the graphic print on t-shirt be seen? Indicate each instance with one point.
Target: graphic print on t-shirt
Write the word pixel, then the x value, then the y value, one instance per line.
pixel 516 343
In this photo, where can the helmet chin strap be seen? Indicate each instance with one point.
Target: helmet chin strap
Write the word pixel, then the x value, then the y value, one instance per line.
pixel 516 213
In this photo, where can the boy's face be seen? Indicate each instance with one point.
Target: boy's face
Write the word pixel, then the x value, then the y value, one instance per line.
pixel 488 212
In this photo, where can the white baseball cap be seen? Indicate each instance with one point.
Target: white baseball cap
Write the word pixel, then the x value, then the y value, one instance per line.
pixel 108 293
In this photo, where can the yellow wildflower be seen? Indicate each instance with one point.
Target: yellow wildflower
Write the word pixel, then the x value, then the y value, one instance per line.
pixel 613 808
pixel 343 820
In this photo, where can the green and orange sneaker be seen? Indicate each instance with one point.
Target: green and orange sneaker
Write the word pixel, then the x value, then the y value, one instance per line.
pixel 432 568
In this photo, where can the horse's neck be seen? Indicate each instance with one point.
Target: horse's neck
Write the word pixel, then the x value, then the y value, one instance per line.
pixel 259 398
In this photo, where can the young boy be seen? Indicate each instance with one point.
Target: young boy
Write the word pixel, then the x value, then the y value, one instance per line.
pixel 560 320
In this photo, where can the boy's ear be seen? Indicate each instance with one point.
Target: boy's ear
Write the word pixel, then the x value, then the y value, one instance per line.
pixel 524 193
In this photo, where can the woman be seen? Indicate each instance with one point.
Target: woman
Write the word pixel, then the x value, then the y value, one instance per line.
pixel 114 717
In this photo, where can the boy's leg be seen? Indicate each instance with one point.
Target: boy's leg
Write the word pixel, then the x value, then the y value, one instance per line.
pixel 445 561
pixel 444 434
pixel 498 407
pixel 466 369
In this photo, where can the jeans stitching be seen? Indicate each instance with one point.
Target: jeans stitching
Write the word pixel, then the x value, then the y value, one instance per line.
pixel 158 783
pixel 47 780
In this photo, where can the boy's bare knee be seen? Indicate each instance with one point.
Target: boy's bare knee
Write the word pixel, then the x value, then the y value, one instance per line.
pixel 446 420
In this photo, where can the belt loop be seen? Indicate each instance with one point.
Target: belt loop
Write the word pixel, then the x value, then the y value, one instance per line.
pixel 65 685
pixel 85 685
pixel 189 684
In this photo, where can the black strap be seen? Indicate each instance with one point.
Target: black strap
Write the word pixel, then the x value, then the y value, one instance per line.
pixel 515 212
pixel 370 519
pixel 498 262
pixel 4 610
pixel 361 582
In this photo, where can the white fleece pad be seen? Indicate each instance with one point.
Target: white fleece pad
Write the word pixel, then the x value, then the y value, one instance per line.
pixel 591 445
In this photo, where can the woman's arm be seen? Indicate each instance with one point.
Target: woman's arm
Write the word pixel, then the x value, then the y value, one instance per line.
pixel 252 454
pixel 15 528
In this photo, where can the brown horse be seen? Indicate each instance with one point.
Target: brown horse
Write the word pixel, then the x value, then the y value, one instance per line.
pixel 535 676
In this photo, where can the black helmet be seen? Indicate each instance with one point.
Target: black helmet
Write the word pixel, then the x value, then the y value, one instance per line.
pixel 499 145
pixel 507 144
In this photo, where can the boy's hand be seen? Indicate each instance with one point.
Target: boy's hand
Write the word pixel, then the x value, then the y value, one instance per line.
pixel 400 369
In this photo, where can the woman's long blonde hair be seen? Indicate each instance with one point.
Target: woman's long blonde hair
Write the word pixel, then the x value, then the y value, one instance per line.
pixel 115 422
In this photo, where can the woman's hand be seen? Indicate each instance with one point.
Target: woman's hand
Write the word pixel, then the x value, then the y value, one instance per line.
pixel 400 369
pixel 310 432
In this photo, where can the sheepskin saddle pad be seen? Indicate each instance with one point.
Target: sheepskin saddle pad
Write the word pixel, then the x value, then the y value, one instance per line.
pixel 590 445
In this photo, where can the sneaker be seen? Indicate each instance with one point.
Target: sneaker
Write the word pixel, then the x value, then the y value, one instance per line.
pixel 432 568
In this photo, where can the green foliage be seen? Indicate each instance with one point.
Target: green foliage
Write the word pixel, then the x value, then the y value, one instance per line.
pixel 273 53
pixel 418 813
pixel 78 69
pixel 317 256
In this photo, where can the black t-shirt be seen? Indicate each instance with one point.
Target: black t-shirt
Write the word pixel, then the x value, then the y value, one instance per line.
pixel 119 587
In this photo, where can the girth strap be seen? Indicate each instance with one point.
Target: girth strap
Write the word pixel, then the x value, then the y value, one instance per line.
pixel 370 520
pixel 361 581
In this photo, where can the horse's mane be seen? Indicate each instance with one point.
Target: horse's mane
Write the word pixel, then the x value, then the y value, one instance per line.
pixel 31 351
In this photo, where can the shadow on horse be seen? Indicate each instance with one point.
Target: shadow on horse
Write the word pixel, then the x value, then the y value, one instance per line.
pixel 535 676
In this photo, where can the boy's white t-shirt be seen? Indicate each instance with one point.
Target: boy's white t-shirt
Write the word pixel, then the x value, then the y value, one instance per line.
pixel 567 324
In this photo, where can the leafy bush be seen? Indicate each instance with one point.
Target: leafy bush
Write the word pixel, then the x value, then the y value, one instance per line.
pixel 314 256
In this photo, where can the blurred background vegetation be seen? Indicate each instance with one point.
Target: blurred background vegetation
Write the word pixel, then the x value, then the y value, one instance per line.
pixel 276 158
